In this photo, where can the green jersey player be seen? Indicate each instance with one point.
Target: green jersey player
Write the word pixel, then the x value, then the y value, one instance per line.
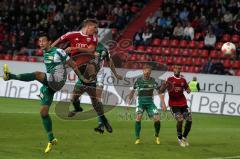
pixel 145 86
pixel 56 62
pixel 102 57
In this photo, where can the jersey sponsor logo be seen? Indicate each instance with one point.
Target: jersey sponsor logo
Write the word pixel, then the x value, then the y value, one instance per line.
pixel 81 45
pixel 50 57
pixel 88 39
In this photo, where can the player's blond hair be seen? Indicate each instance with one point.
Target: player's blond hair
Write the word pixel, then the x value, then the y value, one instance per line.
pixel 87 22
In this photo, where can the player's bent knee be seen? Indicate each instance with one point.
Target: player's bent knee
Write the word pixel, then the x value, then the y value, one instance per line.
pixel 138 118
pixel 44 111
pixel 179 117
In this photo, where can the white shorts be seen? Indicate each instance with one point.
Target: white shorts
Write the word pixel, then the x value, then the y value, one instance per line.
pixel 100 77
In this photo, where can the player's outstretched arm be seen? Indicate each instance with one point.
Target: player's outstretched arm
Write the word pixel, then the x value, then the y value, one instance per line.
pixel 55 43
pixel 90 49
pixel 113 69
pixel 161 91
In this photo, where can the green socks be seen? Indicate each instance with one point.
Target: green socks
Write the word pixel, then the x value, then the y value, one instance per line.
pixel 47 123
pixel 23 77
pixel 157 126
pixel 137 129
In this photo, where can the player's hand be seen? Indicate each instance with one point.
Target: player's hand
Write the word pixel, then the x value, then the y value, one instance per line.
pixel 119 77
pixel 164 107
pixel 68 49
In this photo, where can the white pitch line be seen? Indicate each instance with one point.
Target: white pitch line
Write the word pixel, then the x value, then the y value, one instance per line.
pixel 230 157
pixel 22 113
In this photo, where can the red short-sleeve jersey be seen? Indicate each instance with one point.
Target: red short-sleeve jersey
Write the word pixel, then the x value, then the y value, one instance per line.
pixel 78 39
pixel 176 86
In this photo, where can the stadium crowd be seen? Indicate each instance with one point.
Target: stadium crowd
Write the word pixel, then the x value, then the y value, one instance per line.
pixel 21 20
pixel 197 22
pixel 191 17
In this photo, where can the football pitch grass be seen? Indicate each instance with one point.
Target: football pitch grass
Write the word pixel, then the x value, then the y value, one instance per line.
pixel 22 136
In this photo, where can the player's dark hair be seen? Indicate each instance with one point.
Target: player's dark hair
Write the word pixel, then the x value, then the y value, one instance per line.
pixel 44 34
pixel 89 21
pixel 145 66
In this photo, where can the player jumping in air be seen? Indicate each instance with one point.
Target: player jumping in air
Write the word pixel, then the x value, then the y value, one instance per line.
pixel 85 41
pixel 175 86
pixel 145 86
pixel 56 62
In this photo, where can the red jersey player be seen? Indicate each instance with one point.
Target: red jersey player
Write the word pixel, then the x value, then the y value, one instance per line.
pixel 84 41
pixel 176 85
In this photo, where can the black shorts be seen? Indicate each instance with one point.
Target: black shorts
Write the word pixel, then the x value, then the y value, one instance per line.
pixel 185 111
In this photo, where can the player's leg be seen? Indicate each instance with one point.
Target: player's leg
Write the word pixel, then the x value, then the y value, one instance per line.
pixel 46 100
pixel 39 76
pixel 99 90
pixel 188 124
pixel 139 114
pixel 154 114
pixel 79 89
pixel 176 111
pixel 98 107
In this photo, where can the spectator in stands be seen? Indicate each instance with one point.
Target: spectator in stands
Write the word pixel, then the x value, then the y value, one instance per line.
pixel 13 47
pixel 210 40
pixel 183 15
pixel 188 32
pixel 137 38
pixel 147 37
pixel 228 17
pixel 178 31
pixel 208 66
pixel 151 19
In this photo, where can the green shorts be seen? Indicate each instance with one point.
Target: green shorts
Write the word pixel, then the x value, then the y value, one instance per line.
pixel 46 95
pixel 150 108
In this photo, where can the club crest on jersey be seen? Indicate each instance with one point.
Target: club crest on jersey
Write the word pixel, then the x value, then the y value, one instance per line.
pixel 88 40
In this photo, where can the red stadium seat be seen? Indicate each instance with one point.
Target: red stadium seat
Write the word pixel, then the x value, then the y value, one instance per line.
pixel 183 43
pixel 203 53
pixel 236 64
pixel 200 44
pixel 167 51
pixel 169 61
pixel 198 61
pixel 149 50
pixel 194 53
pixel 227 64
pixel 16 58
pixel 140 48
pixel 213 54
pixel 226 37
pixel 156 42
pixel 161 61
pixel 219 45
pixel 157 50
pixel 165 43
pixel 185 69
pixel 178 61
pixel 32 59
pixel 186 52
pixel 189 61
pixel 23 58
pixel 237 73
pixel 235 38
pixel 155 58
pixel 8 57
pixel 131 48
pixel 174 43
pixel 192 44
pixel 176 52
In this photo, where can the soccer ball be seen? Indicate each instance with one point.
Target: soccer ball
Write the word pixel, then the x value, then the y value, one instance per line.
pixel 228 48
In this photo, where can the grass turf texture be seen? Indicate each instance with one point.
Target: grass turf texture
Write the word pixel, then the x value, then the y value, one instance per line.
pixel 22 136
